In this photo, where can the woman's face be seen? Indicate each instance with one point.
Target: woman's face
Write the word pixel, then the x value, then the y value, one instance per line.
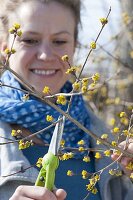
pixel 48 34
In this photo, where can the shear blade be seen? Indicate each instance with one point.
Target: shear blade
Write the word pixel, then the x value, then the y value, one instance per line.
pixel 57 136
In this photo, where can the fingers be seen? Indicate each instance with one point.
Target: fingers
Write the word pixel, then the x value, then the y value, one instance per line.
pixel 124 161
pixel 32 192
pixel 60 194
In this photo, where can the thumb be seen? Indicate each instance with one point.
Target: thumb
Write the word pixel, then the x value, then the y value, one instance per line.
pixel 60 194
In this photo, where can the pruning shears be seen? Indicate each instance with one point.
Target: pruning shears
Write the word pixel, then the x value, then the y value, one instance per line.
pixel 50 163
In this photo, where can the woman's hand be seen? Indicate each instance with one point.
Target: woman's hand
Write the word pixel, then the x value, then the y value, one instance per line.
pixel 124 161
pixel 37 193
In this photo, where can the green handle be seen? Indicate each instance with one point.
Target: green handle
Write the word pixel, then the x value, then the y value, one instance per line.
pixel 46 175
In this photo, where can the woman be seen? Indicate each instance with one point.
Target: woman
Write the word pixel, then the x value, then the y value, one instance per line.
pixel 50 30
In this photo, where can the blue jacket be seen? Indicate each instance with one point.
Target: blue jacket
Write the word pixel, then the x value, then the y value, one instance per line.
pixel 13 160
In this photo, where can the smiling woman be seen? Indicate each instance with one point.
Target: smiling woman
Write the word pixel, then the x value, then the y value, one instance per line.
pixel 39 50
pixel 50 30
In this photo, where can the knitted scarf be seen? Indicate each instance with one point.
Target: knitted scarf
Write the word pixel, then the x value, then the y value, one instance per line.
pixel 32 113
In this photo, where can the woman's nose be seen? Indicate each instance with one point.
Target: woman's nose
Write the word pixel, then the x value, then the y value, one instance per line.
pixel 45 52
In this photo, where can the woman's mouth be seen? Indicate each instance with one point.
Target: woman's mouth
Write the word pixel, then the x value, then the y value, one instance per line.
pixel 44 72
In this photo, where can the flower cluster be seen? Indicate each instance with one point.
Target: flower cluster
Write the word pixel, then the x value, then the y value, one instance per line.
pixel 93 45
pixel 15 29
pixel 71 70
pixel 25 144
pixel 115 172
pixel 66 156
pixel 84 174
pixel 70 173
pixel 65 58
pixel 91 186
pixel 86 159
pixel 46 90
pixel 39 162
pixel 98 155
pixel 61 99
pixel 49 118
pixel 103 21
pixel 96 77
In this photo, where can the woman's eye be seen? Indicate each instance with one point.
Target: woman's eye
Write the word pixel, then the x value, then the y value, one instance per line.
pixel 60 42
pixel 30 41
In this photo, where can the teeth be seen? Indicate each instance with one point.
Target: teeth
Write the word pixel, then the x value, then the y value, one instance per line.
pixel 44 72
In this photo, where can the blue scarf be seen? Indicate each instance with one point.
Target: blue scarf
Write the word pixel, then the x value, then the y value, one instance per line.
pixel 32 113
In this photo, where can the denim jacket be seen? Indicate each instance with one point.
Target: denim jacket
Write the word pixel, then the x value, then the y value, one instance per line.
pixel 12 160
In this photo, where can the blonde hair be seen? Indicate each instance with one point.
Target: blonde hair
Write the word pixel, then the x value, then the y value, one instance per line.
pixel 9 6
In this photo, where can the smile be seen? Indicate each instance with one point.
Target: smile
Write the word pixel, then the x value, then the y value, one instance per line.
pixel 44 72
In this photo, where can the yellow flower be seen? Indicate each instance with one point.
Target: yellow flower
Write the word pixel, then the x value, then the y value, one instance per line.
pixel 12 30
pixel 49 118
pixel 104 136
pixel 46 90
pixel 14 133
pixel 97 177
pixel 7 51
pixel 84 89
pixel 13 51
pixel 62 143
pixel 94 190
pixel 19 33
pixel 103 21
pixel 76 86
pixel 111 172
pixel 24 144
pixel 71 70
pixel 117 152
pixel 116 130
pixel 118 173
pixel 84 174
pixel 86 159
pixel 85 81
pixel 122 114
pixel 16 26
pixel 93 45
pixel 81 142
pixel 125 132
pixel 39 162
pixel 65 58
pixel 89 187
pixel 70 173
pixel 98 155
pixel 112 122
pixel 96 77
pixel 61 100
pixel 107 153
pixel 130 166
pixel 115 172
pixel 67 156
pixel 98 142
pixel 81 148
pixel 114 143
pixel 125 121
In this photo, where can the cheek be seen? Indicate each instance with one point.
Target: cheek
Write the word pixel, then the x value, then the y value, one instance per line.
pixel 21 59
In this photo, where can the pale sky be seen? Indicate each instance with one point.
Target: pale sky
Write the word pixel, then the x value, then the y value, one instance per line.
pixel 93 10
pixel 91 13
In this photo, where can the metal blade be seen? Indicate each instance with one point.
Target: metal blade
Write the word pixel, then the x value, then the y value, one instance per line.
pixel 57 136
